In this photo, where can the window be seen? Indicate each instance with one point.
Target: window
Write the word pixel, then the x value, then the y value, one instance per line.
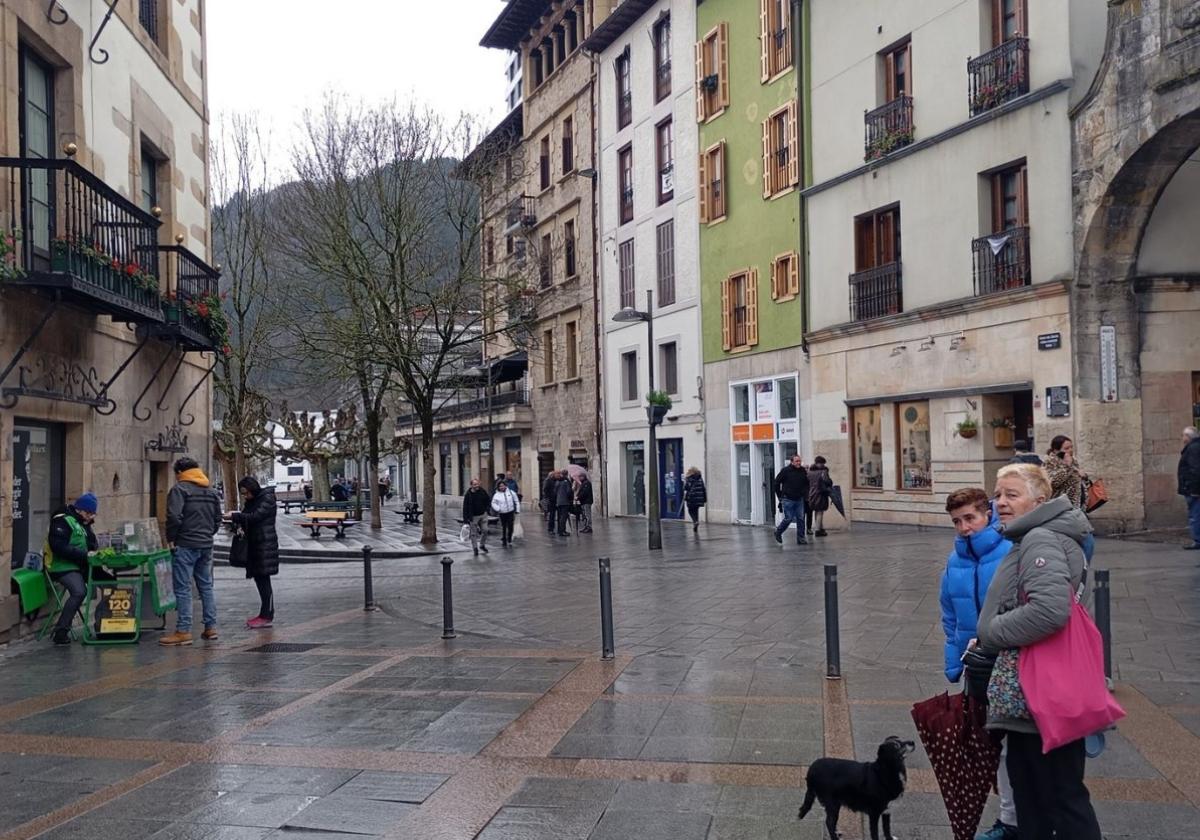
pixel 785 277
pixel 572 349
pixel 629 376
pixel 664 236
pixel 912 445
pixel 508 169
pixel 1009 20
pixel 1001 255
pixel 867 447
pixel 464 466
pixel 897 71
pixel 149 181
pixel 665 154
pixel 875 286
pixel 624 93
pixel 148 18
pixel 625 183
pixel 548 355
pixel 508 245
pixel 781 150
pixel 739 310
pixel 741 404
pixel 1010 198
pixel 291 471
pixel 877 238
pixel 545 265
pixel 712 184
pixel 568 146
pixel 489 246
pixel 544 163
pixel 625 271
pixel 712 73
pixel 787 398
pixel 444 469
pixel 668 362
pixel 36 128
pixel 775 33
pixel 569 248
pixel 661 35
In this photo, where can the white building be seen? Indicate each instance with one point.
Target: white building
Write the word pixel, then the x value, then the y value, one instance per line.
pixel 648 243
pixel 512 76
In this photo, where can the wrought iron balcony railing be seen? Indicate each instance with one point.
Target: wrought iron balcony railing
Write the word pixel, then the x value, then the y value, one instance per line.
pixel 472 407
pixel 998 75
pixel 520 213
pixel 876 292
pixel 192 306
pixel 1001 261
pixel 71 232
pixel 888 127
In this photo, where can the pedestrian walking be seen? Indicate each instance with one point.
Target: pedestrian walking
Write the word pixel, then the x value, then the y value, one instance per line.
pixel 820 485
pixel 385 488
pixel 979 548
pixel 1189 483
pixel 476 504
pixel 340 490
pixel 564 494
pixel 68 544
pixel 791 488
pixel 193 516
pixel 584 498
pixel 1066 476
pixel 506 505
pixel 695 495
pixel 549 505
pixel 256 520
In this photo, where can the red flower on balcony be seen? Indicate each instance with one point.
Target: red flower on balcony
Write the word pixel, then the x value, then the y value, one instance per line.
pixel 131 269
pixel 227 350
pixel 202 309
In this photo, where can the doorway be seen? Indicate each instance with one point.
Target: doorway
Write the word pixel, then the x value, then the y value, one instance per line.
pixel 766 468
pixel 670 472
pixel 745 501
pixel 160 483
pixel 38 479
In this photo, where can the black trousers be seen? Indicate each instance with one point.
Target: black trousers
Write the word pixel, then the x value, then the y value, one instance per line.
pixel 1048 790
pixel 506 526
pixel 693 512
pixel 267 596
pixel 76 585
pixel 564 517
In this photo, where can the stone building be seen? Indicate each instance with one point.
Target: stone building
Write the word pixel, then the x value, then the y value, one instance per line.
pixel 104 345
pixel 649 233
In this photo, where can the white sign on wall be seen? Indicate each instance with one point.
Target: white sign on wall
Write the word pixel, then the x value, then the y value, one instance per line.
pixel 764 401
pixel 1108 363
pixel 788 429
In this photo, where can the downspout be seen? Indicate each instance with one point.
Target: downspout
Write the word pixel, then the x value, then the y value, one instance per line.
pixel 597 334
pixel 804 115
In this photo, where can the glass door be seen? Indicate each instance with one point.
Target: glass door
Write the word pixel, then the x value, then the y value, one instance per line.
pixel 37 490
pixel 743 483
pixel 766 465
pixel 635 478
pixel 670 471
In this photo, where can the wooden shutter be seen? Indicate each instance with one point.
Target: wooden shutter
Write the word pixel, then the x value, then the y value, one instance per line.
pixel 705 200
pixel 764 38
pixel 793 278
pixel 726 316
pixel 752 307
pixel 723 63
pixel 1023 197
pixel 793 173
pixel 700 115
pixel 723 175
pixel 768 167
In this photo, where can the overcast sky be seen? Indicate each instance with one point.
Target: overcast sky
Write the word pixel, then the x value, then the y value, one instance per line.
pixel 277 57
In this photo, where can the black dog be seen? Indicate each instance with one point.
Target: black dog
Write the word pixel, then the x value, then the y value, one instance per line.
pixel 865 787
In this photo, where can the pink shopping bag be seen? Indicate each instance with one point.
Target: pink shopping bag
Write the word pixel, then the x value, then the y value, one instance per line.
pixel 1062 678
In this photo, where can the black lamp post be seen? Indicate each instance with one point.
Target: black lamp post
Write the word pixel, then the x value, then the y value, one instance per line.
pixel 626 315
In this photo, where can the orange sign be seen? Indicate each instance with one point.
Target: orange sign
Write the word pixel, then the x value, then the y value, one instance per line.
pixel 741 434
pixel 763 431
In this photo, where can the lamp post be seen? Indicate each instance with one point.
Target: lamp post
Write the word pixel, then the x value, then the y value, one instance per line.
pixel 486 370
pixel 628 314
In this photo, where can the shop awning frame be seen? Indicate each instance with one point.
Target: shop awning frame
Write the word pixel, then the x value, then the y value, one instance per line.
pixel 945 393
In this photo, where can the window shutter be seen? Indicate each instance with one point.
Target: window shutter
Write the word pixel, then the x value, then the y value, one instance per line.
pixel 793 145
pixel 704 188
pixel 723 174
pixel 768 186
pixel 726 317
pixel 776 287
pixel 752 307
pixel 700 115
pixel 723 70
pixel 1023 197
pixel 793 278
pixel 764 38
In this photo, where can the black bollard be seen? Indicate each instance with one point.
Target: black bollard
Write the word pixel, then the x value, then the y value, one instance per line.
pixel 606 618
pixel 833 643
pixel 1104 619
pixel 447 601
pixel 368 581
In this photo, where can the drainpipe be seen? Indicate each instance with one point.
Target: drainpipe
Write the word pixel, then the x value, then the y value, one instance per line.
pixel 597 346
pixel 800 60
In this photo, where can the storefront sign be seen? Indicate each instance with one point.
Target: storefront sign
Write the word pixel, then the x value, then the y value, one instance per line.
pixel 1108 363
pixel 116 608
pixel 741 433
pixel 1058 401
pixel 789 429
pixel 1050 341
pixel 764 401
pixel 762 431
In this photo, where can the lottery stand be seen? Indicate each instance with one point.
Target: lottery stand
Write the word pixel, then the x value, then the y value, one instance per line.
pixel 112 609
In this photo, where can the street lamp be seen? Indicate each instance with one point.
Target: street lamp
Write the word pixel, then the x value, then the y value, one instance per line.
pixel 627 315
pixel 477 372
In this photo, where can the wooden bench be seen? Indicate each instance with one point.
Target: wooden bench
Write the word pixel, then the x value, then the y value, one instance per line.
pixel 330 507
pixel 316 520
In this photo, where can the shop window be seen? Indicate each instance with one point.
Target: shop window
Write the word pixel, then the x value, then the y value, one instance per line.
pixel 764 402
pixel 912 445
pixel 739 310
pixel 775 34
pixel 787 398
pixel 712 184
pixel 464 466
pixel 668 358
pixel 444 469
pixel 781 150
pixel 635 478
pixel 712 73
pixel 785 277
pixel 629 376
pixel 867 447
pixel 741 404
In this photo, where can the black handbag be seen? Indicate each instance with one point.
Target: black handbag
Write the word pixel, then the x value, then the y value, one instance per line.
pixel 977 672
pixel 239 550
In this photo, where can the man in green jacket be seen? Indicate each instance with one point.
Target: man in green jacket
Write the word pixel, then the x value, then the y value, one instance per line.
pixel 67 546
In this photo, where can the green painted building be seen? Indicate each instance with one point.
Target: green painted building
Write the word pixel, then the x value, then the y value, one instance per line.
pixel 751 169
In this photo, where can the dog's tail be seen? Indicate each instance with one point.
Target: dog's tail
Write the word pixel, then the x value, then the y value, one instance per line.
pixel 809 798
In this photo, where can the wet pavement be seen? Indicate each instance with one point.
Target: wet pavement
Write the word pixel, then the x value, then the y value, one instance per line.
pixel 339 723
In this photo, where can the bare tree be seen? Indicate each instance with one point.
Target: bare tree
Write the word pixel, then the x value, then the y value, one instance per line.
pixel 319 439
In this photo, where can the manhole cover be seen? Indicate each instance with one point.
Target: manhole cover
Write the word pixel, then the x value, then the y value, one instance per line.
pixel 283 647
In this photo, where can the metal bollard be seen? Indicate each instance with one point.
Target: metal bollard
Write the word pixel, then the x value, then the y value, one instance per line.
pixel 368 581
pixel 1104 619
pixel 606 617
pixel 447 601
pixel 833 642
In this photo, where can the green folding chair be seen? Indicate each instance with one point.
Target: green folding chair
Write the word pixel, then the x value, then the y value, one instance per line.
pixel 56 593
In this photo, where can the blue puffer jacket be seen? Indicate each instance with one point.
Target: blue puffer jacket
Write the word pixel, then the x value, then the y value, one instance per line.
pixel 965 582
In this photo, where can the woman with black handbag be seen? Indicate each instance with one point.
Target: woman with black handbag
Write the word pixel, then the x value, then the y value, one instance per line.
pixel 256 545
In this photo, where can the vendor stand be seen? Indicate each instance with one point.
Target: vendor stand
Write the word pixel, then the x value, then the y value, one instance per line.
pixel 112 608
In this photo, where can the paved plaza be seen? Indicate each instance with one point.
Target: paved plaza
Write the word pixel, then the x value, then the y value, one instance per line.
pixel 339 723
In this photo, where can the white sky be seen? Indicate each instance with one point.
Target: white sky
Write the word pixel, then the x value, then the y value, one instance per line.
pixel 278 57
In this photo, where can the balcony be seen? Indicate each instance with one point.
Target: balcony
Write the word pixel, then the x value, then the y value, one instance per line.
pixel 876 292
pixel 520 213
pixel 998 75
pixel 192 308
pixel 888 128
pixel 1001 261
pixel 79 238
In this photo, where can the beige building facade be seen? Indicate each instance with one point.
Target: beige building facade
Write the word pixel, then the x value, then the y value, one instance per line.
pixel 104 348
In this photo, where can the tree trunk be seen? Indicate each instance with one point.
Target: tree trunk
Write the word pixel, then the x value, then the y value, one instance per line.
pixel 428 496
pixel 371 479
pixel 320 470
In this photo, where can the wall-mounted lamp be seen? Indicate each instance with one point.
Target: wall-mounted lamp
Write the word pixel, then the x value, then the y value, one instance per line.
pixel 587 173
pixel 898 349
pixel 958 341
pixel 927 344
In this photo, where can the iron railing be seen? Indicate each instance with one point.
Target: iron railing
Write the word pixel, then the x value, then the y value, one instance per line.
pixel 1001 261
pixel 467 408
pixel 75 233
pixel 148 17
pixel 876 292
pixel 888 127
pixel 998 75
pixel 192 294
pixel 521 212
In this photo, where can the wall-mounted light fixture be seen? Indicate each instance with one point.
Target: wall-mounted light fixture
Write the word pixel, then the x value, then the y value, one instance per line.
pixel 898 349
pixel 927 344
pixel 958 341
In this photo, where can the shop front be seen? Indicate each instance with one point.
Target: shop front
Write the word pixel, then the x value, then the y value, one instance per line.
pixel 37 485
pixel 764 435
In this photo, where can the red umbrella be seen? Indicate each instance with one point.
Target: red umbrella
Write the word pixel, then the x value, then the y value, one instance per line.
pixel 963 754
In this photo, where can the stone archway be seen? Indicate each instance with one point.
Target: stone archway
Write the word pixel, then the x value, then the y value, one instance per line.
pixel 1139 123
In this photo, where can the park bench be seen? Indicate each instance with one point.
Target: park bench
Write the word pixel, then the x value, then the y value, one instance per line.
pixel 291 498
pixel 314 521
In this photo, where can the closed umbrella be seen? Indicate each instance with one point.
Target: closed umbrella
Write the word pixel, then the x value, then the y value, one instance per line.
pixel 964 756
pixel 835 496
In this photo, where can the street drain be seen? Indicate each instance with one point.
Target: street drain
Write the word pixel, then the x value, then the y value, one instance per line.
pixel 283 647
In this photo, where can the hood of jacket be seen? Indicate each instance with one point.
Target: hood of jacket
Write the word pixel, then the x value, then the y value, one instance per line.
pixel 195 475
pixel 1057 515
pixel 976 546
pixel 265 496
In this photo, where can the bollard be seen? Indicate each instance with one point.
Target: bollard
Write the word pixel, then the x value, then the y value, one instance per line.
pixel 447 601
pixel 1104 619
pixel 606 618
pixel 833 644
pixel 368 581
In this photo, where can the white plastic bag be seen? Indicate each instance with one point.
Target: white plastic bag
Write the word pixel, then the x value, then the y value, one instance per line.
pixel 518 532
pixel 464 535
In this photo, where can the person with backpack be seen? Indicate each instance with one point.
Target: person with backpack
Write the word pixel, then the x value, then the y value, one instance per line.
pixel 820 485
pixel 695 495
pixel 193 517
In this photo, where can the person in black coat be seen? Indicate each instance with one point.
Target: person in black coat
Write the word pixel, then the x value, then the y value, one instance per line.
pixel 584 497
pixel 695 495
pixel 1189 482
pixel 564 497
pixel 548 501
pixel 791 488
pixel 256 520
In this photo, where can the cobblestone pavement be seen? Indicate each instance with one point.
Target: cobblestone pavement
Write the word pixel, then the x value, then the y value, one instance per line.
pixel 359 724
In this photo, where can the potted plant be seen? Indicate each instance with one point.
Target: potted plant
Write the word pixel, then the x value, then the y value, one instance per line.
pixel 10 268
pixel 968 428
pixel 170 307
pixel 659 405
pixel 1002 432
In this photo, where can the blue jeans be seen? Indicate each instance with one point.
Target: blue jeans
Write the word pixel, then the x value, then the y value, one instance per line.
pixel 193 563
pixel 793 511
pixel 1193 503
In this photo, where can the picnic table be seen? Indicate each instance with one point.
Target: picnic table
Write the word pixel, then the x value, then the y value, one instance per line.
pixel 337 520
